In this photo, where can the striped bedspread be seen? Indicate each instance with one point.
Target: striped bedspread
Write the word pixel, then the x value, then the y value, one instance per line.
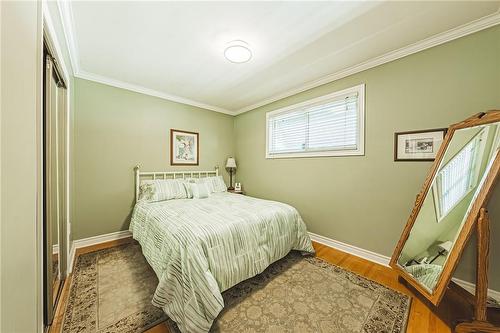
pixel 427 274
pixel 199 248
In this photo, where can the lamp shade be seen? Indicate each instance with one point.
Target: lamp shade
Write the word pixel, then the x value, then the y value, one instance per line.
pixel 445 246
pixel 231 163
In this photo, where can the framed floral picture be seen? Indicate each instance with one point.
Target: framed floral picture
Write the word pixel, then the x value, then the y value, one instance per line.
pixel 418 145
pixel 184 147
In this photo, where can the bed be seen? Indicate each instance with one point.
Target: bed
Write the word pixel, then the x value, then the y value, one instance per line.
pixel 199 248
pixel 427 274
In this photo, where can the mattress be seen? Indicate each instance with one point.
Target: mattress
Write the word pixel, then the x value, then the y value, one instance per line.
pixel 199 248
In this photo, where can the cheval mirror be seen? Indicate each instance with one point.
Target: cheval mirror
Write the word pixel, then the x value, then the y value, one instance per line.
pixel 450 205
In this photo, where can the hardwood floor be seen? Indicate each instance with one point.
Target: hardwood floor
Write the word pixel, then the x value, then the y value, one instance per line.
pixel 423 317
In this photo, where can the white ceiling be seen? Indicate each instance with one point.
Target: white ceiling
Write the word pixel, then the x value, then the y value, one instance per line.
pixel 175 50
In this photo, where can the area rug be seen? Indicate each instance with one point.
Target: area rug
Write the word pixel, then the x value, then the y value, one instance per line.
pixel 112 290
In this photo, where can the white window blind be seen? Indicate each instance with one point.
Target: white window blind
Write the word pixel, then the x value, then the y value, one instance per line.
pixel 330 125
pixel 457 177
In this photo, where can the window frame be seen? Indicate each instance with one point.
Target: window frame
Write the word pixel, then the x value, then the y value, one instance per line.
pixel 437 190
pixel 360 151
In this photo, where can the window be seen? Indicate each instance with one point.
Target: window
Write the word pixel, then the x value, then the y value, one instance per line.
pixel 331 125
pixel 458 177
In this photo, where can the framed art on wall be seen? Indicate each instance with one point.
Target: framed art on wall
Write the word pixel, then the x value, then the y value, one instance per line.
pixel 184 147
pixel 418 145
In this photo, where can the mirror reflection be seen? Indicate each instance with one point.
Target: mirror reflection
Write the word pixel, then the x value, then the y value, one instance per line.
pixel 54 220
pixel 56 276
pixel 459 178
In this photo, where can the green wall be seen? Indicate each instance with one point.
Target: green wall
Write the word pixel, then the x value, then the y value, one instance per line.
pixel 116 129
pixel 366 200
pixel 360 200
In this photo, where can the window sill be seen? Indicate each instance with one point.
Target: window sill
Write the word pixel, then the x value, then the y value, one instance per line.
pixel 318 154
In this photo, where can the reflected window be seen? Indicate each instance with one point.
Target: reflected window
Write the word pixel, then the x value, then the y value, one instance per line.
pixel 458 177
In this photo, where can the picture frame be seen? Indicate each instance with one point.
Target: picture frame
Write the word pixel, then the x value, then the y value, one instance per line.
pixel 184 147
pixel 420 145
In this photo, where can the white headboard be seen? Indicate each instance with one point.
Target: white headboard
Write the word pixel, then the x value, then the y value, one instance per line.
pixel 168 175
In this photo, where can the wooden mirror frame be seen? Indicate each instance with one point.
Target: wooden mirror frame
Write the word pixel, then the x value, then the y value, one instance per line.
pixel 481 201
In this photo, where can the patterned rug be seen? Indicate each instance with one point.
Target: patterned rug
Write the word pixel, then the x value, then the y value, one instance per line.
pixel 112 289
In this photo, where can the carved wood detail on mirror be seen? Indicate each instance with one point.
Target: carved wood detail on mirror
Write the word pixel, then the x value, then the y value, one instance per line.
pixel 450 205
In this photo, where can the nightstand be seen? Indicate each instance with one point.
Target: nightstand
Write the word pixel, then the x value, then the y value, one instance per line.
pixel 233 191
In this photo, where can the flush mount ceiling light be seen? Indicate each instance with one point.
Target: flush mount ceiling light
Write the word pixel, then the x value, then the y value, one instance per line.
pixel 238 52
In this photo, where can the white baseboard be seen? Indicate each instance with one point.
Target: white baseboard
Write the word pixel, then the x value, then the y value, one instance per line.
pixel 344 247
pixel 84 242
pixel 351 249
pixel 384 260
pixel 471 287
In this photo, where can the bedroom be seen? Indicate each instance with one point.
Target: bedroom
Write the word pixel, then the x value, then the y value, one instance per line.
pixel 314 108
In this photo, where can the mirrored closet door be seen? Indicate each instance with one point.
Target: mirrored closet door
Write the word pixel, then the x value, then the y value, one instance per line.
pixel 55 180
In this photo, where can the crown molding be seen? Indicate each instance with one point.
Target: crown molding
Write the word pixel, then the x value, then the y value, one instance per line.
pixel 67 20
pixel 66 17
pixel 146 91
pixel 441 38
pixel 54 45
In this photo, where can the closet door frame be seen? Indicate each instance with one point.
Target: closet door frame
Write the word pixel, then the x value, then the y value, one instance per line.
pixel 63 128
pixel 49 41
pixel 55 180
pixel 47 188
pixel 54 48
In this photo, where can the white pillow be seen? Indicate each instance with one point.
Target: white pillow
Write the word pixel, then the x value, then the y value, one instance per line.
pixel 215 184
pixel 162 189
pixel 205 182
pixel 187 185
pixel 199 190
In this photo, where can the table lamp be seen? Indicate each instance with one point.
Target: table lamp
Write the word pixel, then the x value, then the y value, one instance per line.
pixel 231 168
